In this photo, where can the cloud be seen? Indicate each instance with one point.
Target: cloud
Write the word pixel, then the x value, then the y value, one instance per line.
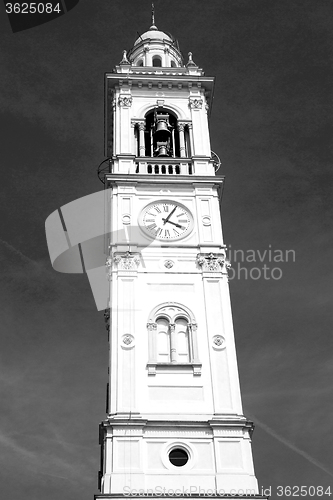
pixel 62 460
pixel 290 445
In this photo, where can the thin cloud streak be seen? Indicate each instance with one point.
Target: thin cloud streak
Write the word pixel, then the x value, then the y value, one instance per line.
pixel 18 253
pixel 284 441
pixel 35 460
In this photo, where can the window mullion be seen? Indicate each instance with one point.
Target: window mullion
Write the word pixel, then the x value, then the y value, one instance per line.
pixel 173 343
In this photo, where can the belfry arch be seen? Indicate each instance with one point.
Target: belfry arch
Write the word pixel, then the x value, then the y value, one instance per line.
pixel 162 135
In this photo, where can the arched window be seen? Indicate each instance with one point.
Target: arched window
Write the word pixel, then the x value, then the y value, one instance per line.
pixel 140 62
pixel 157 61
pixel 172 338
pixel 182 340
pixel 173 64
pixel 163 341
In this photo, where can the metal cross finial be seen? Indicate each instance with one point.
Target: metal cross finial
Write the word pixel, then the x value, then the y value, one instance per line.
pixel 152 14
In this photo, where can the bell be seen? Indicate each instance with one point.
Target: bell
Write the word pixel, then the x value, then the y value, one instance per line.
pixel 162 149
pixel 162 132
pixel 162 135
pixel 162 127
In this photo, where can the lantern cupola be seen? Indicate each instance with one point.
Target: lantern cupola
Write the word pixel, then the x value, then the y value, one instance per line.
pixel 157 49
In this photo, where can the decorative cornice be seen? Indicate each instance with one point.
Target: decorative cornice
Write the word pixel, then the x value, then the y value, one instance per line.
pixel 228 432
pixel 178 432
pixel 127 431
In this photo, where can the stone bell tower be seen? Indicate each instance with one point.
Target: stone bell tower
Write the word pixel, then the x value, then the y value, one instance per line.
pixel 175 424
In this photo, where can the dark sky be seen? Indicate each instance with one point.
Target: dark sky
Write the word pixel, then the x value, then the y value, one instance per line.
pixel 271 124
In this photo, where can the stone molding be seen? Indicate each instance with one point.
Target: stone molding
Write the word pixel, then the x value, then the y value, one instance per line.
pixel 125 101
pixel 108 266
pixel 122 262
pixel 218 342
pixel 127 261
pixel 229 432
pixel 107 319
pixel 127 431
pixel 127 341
pixel 212 262
pixel 195 103
pixel 177 434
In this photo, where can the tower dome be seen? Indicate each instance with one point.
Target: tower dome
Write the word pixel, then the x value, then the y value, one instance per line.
pixel 154 34
pixel 156 48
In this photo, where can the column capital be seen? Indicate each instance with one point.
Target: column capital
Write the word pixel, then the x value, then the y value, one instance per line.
pixel 211 262
pixel 195 103
pixel 127 261
pixel 125 101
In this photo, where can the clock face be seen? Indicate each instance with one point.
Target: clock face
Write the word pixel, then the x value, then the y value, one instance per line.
pixel 166 220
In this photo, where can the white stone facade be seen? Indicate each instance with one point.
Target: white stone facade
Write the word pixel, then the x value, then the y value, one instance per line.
pixel 173 377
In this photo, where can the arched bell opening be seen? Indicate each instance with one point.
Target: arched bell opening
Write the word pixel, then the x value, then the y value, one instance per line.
pixel 162 134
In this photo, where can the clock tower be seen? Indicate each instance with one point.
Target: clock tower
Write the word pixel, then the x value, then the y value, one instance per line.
pixel 175 424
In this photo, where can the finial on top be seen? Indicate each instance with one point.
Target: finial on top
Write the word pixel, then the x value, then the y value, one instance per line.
pixel 190 60
pixel 124 59
pixel 152 27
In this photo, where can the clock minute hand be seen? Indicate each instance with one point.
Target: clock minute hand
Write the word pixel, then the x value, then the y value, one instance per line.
pixel 167 219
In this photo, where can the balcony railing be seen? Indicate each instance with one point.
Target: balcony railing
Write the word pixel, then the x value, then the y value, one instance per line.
pixel 164 166
pixel 161 166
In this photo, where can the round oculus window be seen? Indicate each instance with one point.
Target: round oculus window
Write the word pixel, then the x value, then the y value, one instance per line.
pixel 178 457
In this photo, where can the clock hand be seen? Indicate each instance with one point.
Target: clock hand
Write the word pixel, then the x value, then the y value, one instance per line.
pixel 167 219
pixel 174 223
